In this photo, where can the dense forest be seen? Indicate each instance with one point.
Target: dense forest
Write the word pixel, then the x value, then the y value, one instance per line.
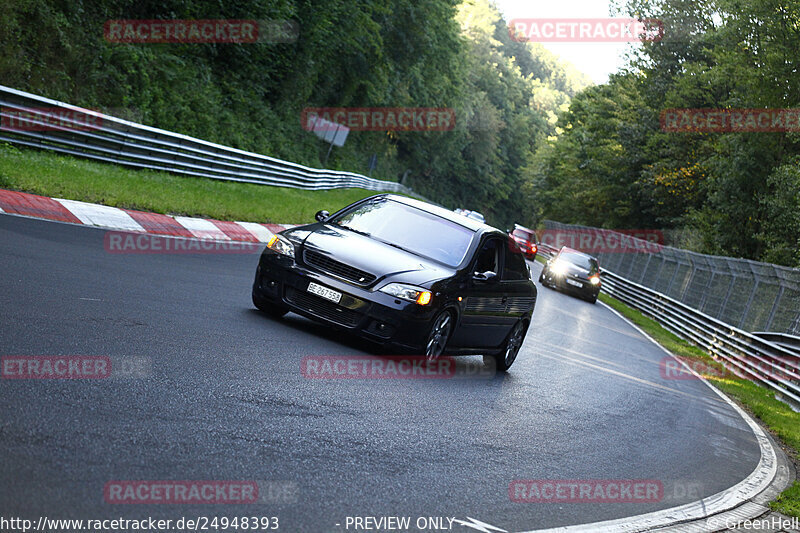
pixel 398 53
pixel 533 138
pixel 725 193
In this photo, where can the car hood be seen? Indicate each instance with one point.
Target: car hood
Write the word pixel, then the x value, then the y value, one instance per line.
pixel 370 255
pixel 578 272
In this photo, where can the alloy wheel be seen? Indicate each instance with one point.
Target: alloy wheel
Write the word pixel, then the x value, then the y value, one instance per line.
pixel 437 339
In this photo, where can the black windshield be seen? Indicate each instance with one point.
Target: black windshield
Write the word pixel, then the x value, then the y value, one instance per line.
pixel 410 229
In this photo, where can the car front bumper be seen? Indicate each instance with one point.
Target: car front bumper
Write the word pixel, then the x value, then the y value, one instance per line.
pixel 362 311
pixel 586 289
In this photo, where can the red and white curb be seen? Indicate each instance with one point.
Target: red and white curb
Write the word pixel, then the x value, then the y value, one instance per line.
pixel 103 216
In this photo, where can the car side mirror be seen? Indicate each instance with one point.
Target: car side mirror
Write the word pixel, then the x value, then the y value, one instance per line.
pixel 322 216
pixel 484 277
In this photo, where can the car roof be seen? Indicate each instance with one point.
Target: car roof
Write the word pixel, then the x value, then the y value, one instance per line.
pixel 462 220
pixel 523 228
pixel 574 251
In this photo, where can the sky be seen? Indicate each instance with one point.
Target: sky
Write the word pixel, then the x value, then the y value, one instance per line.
pixel 597 60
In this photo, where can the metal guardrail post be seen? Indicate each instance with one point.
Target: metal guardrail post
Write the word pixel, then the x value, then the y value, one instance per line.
pixel 774 308
pixel 748 304
pixel 705 293
pixel 727 296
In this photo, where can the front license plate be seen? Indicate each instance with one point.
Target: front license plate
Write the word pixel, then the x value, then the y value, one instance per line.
pixel 324 292
pixel 574 283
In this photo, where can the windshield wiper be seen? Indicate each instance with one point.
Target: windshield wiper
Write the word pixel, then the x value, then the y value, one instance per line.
pixel 398 247
pixel 364 233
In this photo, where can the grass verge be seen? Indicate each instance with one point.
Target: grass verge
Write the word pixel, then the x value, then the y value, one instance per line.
pixel 50 174
pixel 781 420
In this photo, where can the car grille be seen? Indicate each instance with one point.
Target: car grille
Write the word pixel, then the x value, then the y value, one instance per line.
pixel 322 307
pixel 337 268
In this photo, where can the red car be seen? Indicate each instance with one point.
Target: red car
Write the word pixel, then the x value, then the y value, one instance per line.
pixel 526 239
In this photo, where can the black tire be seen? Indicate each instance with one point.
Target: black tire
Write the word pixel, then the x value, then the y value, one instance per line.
pixel 269 308
pixel 592 299
pixel 438 335
pixel 510 349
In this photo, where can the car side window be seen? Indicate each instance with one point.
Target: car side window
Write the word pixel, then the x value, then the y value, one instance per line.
pixel 488 257
pixel 515 267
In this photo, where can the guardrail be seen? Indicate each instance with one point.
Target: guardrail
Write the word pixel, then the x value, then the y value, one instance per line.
pixel 114 140
pixel 790 342
pixel 750 356
pixel 750 295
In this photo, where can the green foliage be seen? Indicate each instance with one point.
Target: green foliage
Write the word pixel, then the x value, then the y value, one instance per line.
pixel 788 502
pixel 613 166
pixel 417 53
pixel 49 174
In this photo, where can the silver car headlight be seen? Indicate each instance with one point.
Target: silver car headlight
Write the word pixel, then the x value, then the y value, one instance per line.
pixel 408 292
pixel 281 245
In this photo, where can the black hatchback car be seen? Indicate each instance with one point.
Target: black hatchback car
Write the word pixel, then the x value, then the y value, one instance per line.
pixel 405 274
pixel 573 271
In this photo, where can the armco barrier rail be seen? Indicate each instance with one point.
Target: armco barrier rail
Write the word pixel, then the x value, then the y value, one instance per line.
pixel 750 295
pixel 750 356
pixel 126 143
pixel 790 342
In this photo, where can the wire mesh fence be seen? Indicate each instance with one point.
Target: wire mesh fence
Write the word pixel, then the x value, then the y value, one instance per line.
pixel 746 294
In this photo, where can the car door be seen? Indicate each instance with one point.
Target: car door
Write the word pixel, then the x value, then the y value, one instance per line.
pixel 483 321
pixel 518 290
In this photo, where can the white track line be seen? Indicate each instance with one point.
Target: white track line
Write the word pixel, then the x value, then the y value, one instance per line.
pixel 758 480
pixel 101 215
pixel 202 228
pixel 259 232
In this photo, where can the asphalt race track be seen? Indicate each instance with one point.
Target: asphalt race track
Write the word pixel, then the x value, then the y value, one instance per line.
pixel 219 395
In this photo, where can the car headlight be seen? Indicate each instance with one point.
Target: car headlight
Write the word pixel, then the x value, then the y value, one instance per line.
pixel 595 280
pixel 559 268
pixel 408 292
pixel 281 245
